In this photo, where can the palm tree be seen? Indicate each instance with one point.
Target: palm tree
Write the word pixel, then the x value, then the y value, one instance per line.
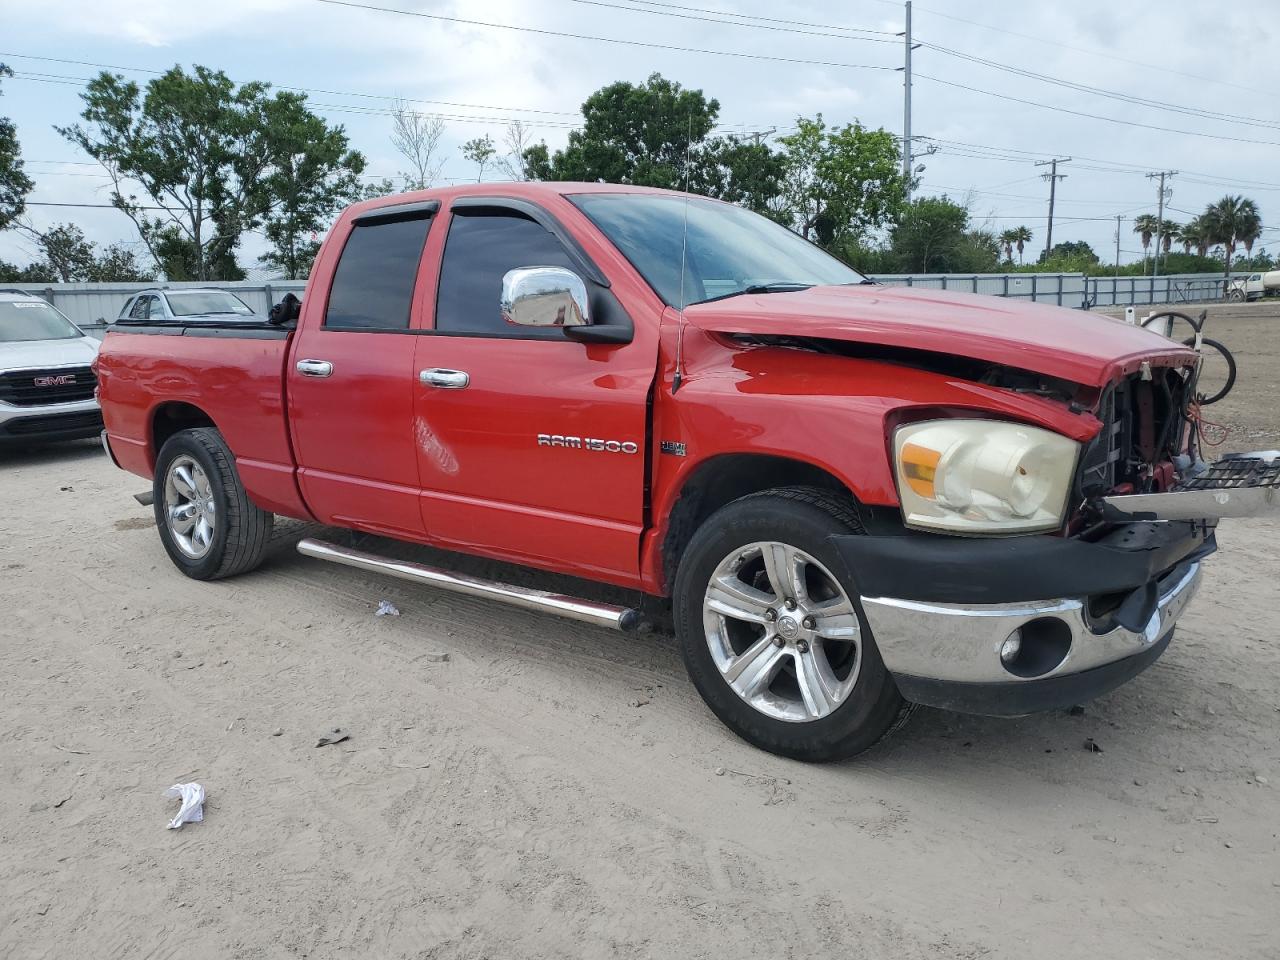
pixel 1197 232
pixel 1007 240
pixel 1168 230
pixel 1146 225
pixel 1185 236
pixel 1021 237
pixel 1230 221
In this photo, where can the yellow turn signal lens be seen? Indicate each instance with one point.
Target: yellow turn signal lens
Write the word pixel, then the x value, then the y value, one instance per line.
pixel 919 467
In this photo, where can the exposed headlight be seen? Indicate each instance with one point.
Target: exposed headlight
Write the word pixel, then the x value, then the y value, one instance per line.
pixel 982 476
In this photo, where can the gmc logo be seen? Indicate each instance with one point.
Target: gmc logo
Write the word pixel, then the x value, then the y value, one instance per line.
pixel 61 380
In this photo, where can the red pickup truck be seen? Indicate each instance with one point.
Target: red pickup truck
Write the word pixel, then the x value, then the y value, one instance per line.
pixel 851 498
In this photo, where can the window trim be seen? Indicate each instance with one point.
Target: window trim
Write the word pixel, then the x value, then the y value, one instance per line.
pixel 545 219
pixel 374 218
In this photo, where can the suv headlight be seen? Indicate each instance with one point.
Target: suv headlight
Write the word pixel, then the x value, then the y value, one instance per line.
pixel 982 476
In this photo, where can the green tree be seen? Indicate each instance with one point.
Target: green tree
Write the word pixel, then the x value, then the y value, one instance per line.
pixel 1230 221
pixel 313 175
pixel 481 152
pixel 209 155
pixel 840 183
pixel 14 184
pixel 933 236
pixel 1007 239
pixel 68 257
pixel 634 133
pixel 738 171
pixel 1146 226
pixel 1021 237
pixel 1069 251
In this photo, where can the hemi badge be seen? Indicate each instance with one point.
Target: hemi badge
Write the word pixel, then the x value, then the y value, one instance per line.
pixel 673 447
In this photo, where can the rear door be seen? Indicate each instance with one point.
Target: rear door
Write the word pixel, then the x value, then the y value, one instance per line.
pixel 494 480
pixel 351 382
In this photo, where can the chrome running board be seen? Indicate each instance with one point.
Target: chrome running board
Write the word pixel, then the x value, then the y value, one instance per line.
pixel 588 611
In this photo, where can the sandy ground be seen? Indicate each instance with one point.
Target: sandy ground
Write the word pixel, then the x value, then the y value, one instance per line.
pixel 553 790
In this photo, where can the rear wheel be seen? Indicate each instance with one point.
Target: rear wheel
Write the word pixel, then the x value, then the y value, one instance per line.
pixel 208 525
pixel 770 632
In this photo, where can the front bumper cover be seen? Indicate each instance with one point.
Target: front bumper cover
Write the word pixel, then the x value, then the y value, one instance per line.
pixel 940 608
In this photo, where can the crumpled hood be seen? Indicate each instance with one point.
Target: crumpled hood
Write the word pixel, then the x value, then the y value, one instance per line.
pixel 1074 345
pixel 28 354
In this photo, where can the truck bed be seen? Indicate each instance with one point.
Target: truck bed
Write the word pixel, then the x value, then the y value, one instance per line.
pixel 161 374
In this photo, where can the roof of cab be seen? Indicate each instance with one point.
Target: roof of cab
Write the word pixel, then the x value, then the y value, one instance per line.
pixel 519 190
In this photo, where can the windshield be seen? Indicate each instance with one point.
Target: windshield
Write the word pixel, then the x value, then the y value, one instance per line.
pixel 729 250
pixel 34 320
pixel 189 303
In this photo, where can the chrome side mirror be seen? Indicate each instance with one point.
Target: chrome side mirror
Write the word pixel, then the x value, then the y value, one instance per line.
pixel 544 297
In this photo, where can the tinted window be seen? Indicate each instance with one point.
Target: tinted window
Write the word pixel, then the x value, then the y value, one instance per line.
pixel 482 247
pixel 373 285
pixel 139 311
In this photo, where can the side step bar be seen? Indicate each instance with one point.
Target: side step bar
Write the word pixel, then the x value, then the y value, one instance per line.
pixel 588 611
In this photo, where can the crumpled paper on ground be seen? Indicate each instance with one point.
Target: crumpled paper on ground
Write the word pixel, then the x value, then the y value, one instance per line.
pixel 386 609
pixel 192 809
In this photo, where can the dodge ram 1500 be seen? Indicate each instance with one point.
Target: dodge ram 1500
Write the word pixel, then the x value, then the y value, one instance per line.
pixel 853 498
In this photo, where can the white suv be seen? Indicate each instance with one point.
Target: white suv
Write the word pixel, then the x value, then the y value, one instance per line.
pixel 46 383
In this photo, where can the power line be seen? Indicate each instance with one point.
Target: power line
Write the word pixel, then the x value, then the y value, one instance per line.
pixel 827 27
pixel 774 25
pixel 1076 113
pixel 1102 92
pixel 281 86
pixel 616 40
pixel 1094 53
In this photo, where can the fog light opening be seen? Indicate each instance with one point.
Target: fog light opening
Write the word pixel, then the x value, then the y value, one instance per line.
pixel 1010 649
pixel 1037 647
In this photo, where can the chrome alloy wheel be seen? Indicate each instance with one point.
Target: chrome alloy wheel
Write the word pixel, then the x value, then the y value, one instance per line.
pixel 188 507
pixel 782 631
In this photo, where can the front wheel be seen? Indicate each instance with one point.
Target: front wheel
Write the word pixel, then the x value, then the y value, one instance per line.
pixel 770 632
pixel 208 525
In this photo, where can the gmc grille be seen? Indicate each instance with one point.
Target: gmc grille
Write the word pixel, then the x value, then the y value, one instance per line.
pixel 37 388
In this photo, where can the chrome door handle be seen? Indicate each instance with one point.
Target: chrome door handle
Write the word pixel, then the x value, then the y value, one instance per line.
pixel 444 379
pixel 315 368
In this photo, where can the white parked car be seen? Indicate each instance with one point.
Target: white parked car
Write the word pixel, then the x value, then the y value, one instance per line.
pixel 47 387
pixel 188 305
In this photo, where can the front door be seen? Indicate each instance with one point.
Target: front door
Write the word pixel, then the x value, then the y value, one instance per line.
pixel 531 446
pixel 351 379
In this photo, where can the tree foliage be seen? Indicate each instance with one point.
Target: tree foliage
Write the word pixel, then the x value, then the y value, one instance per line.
pixel 215 160
pixel 14 183
pixel 1233 221
pixel 840 183
pixel 481 152
pixel 933 235
pixel 66 256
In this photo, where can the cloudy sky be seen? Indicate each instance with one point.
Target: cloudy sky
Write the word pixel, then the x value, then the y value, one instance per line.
pixel 1181 85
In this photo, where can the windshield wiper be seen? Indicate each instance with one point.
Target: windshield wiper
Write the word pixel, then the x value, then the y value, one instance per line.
pixel 780 286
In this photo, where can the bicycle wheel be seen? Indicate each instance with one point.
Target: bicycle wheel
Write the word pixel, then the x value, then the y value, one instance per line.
pixel 1174 324
pixel 1217 370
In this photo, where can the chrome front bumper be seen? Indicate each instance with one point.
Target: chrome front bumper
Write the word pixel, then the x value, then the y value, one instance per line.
pixel 960 643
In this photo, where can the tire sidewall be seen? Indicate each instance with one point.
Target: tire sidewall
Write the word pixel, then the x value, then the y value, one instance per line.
pixel 185 442
pixel 872 705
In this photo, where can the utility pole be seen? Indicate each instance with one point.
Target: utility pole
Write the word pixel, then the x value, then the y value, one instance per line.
pixel 1155 267
pixel 906 100
pixel 1053 176
pixel 1117 244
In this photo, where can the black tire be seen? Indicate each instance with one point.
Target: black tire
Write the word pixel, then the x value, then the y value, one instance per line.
pixel 1213 345
pixel 242 530
pixel 803 517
